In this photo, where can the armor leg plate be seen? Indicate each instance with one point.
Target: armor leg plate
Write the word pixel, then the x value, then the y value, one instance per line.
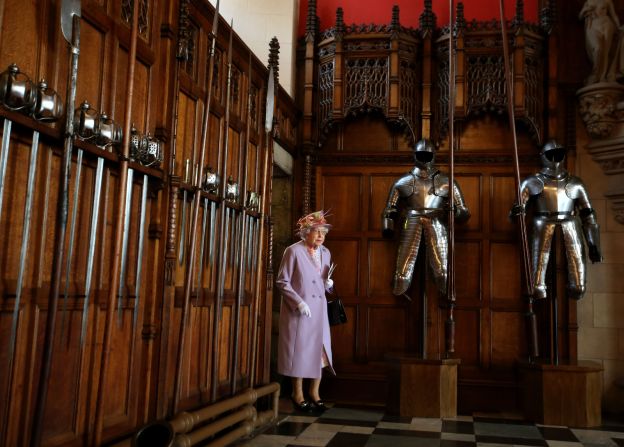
pixel 436 240
pixel 406 256
pixel 575 254
pixel 540 253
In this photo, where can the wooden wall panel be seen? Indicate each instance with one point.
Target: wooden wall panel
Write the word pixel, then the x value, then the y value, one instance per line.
pixel 346 333
pixel 508 335
pixel 379 188
pixel 503 195
pixel 468 262
pixel 345 254
pixel 505 261
pixel 386 329
pixel 472 189
pixel 381 268
pixel 142 357
pixel 377 129
pixel 91 80
pixel 468 335
pixel 342 195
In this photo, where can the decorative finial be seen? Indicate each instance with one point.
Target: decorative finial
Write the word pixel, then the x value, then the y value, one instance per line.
pixel 427 20
pixel 340 26
pixel 460 20
pixel 311 20
pixel 519 11
pixel 274 48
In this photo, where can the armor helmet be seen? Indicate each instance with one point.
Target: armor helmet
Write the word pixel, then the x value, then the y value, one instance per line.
pixel 553 156
pixel 424 153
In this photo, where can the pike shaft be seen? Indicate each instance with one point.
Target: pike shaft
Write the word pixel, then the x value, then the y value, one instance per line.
pixel 532 324
pixel 450 322
pixel 61 229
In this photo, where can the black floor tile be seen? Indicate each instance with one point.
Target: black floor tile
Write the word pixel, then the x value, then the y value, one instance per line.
pixel 558 434
pixel 451 443
pixel 413 433
pixel 396 418
pixel 618 441
pixel 348 439
pixel 464 427
pixel 512 441
pixel 288 428
pixel 354 423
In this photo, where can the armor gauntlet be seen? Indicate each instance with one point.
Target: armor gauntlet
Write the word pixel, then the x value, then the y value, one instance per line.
pixel 461 211
pixel 591 229
pixel 387 222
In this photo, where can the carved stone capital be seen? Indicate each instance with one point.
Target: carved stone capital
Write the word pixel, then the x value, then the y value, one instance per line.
pixel 601 106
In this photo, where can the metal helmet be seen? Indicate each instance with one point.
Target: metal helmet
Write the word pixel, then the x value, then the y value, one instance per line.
pixel 424 152
pixel 553 156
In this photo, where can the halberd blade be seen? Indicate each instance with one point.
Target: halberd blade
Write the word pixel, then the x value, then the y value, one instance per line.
pixel 69 9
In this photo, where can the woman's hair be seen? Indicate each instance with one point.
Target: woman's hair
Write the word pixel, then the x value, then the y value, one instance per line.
pixel 303 232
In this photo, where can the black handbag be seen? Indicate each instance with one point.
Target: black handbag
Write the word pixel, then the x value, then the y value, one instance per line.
pixel 335 311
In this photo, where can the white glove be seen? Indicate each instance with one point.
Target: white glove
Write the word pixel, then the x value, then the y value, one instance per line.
pixel 304 309
pixel 329 283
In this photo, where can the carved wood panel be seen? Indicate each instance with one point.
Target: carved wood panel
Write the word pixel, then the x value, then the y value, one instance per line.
pixel 144 339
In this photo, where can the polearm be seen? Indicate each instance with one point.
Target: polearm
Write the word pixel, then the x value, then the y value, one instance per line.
pixel 190 264
pixel 531 319
pixel 450 320
pixel 223 236
pixel 121 209
pixel 268 158
pixel 242 236
pixel 70 26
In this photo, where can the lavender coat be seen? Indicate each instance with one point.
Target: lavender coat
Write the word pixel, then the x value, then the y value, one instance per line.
pixel 301 339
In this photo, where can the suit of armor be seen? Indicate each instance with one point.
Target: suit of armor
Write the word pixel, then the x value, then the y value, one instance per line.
pixel 424 191
pixel 559 199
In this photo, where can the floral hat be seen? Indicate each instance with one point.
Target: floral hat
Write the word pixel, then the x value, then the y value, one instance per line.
pixel 313 220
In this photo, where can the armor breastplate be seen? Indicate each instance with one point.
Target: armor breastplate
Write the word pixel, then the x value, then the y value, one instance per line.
pixel 554 201
pixel 422 200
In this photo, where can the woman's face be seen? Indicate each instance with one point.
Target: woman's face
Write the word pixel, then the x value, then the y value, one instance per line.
pixel 316 237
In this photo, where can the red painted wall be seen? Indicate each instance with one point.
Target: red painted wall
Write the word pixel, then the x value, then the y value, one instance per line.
pixel 380 11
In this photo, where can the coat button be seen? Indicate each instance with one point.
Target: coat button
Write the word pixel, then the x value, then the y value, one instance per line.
pixel 314 281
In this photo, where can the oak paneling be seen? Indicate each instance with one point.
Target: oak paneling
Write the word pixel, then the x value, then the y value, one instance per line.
pixel 505 261
pixel 468 262
pixel 381 268
pixel 342 195
pixel 379 188
pixel 467 335
pixel 345 254
pixel 344 338
pixel 508 338
pixel 472 189
pixel 503 195
pixel 386 330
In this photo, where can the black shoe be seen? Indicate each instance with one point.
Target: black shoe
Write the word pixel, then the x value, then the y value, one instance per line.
pixel 319 405
pixel 303 406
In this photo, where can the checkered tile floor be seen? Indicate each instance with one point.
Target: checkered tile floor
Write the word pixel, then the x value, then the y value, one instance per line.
pixel 348 427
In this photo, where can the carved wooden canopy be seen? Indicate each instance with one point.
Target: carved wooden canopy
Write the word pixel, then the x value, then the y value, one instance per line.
pixel 402 73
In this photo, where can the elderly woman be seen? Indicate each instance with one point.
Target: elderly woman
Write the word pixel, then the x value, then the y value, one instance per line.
pixel 304 347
